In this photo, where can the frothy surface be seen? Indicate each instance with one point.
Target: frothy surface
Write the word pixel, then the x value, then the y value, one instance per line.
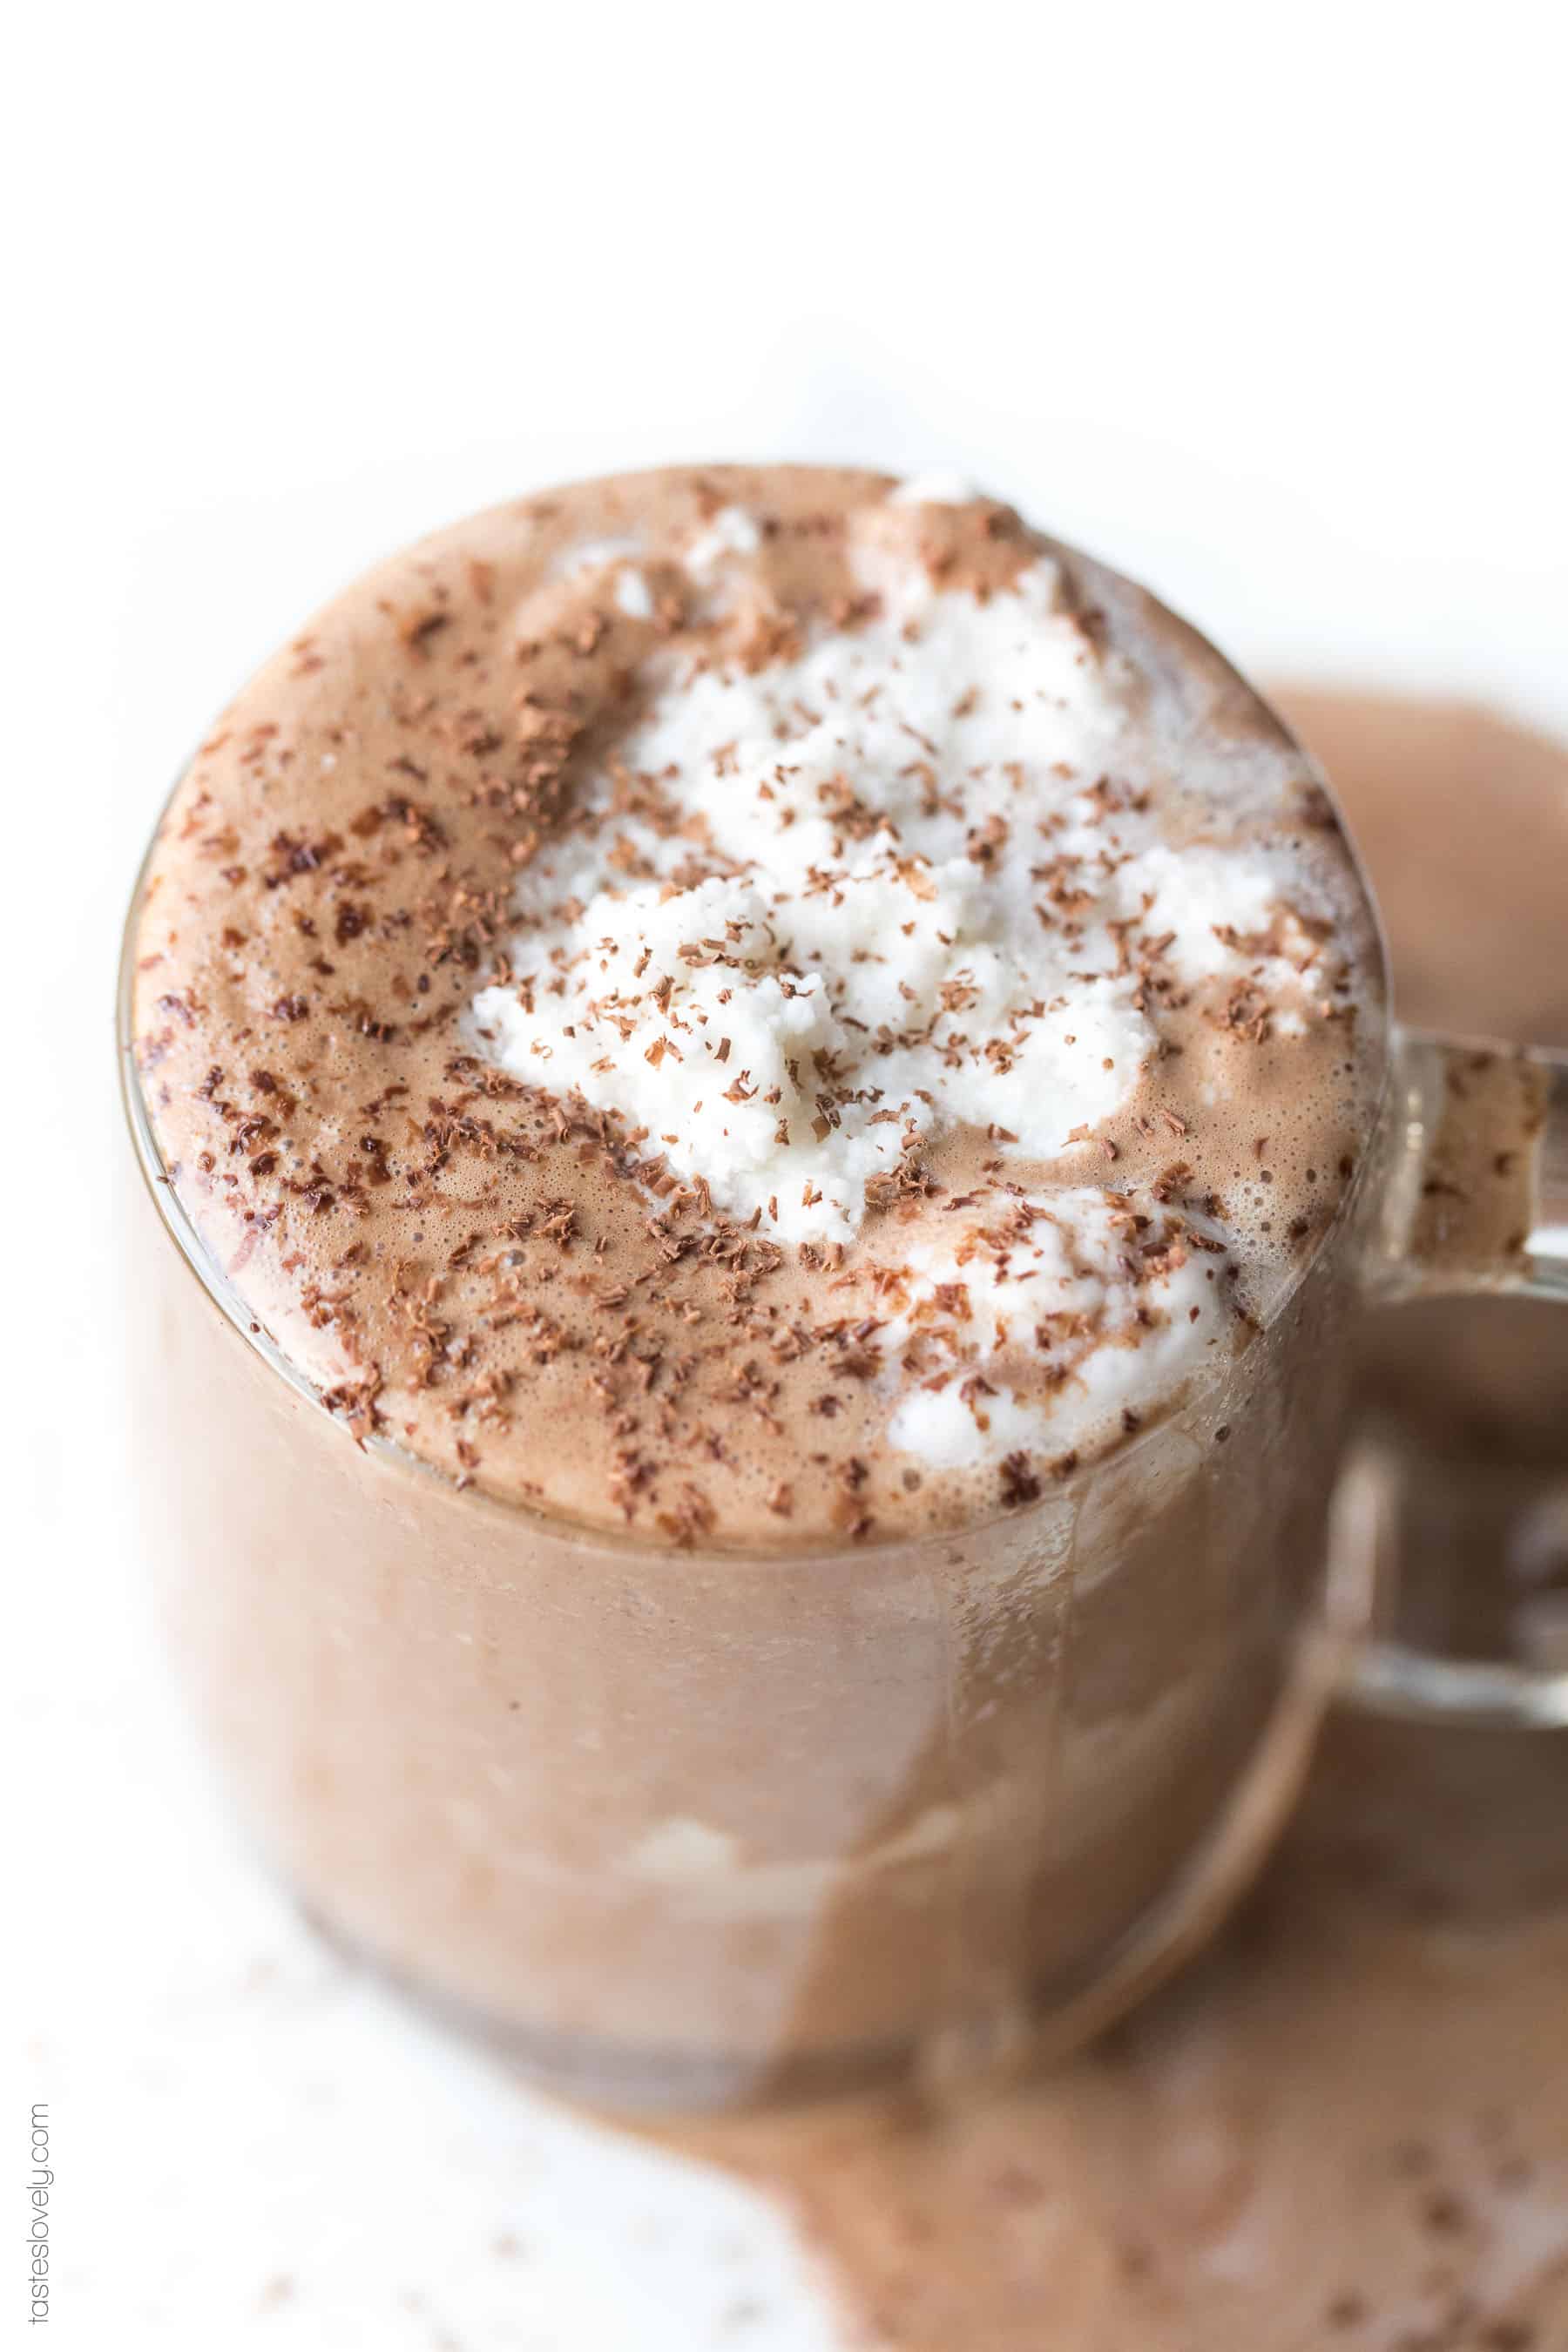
pixel 755 1005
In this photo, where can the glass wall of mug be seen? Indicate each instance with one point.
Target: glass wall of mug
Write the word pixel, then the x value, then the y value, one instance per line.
pixel 696 1827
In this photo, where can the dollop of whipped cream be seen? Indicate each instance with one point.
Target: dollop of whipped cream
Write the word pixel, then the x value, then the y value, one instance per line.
pixel 1110 1295
pixel 808 914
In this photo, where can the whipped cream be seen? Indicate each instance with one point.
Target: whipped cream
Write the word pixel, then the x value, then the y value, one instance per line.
pixel 816 912
pixel 940 486
pixel 732 531
pixel 1116 1301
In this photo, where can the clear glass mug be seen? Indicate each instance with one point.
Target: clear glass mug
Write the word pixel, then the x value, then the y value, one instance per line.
pixel 688 1829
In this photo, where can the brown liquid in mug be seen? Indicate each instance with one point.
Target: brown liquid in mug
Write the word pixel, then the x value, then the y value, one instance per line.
pixel 1349 2124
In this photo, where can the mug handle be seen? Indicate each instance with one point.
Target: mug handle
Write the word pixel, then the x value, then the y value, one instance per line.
pixel 1473 1199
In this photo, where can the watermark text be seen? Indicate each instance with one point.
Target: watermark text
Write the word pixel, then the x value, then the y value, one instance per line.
pixel 40 2181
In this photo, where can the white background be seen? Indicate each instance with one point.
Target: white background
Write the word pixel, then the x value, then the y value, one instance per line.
pixel 1263 303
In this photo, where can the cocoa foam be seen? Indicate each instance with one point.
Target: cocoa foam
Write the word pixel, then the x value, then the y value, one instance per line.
pixel 389 845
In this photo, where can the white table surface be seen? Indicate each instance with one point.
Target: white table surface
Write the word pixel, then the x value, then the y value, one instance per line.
pixel 1264 306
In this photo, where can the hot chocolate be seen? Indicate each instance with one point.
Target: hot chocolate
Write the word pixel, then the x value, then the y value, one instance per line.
pixel 763 1058
pixel 753 1005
